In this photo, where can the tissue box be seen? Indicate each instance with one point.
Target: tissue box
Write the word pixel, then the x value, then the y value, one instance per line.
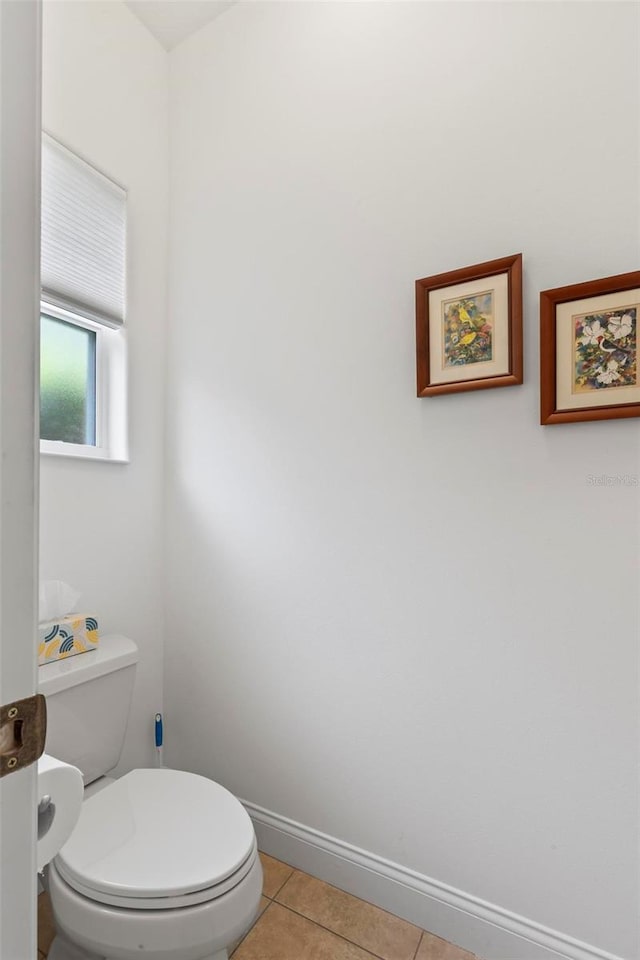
pixel 66 637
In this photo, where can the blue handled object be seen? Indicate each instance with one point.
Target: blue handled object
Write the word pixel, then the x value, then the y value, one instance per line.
pixel 158 729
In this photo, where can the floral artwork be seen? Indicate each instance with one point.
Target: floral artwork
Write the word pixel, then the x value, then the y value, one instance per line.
pixel 468 329
pixel 605 349
pixel 589 367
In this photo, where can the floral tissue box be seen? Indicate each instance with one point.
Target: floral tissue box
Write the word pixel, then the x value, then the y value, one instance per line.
pixel 66 637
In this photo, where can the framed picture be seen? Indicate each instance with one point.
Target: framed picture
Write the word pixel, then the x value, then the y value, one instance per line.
pixel 469 328
pixel 589 350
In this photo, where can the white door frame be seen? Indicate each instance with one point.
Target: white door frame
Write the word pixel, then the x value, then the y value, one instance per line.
pixel 20 124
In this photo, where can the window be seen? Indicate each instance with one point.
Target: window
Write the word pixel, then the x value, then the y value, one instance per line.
pixel 82 334
pixel 67 381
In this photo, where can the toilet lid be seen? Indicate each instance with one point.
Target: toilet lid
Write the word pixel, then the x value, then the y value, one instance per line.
pixel 154 834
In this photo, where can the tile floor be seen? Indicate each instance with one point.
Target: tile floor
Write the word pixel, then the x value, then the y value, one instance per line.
pixel 302 918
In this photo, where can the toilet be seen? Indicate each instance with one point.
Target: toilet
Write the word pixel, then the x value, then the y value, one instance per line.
pixel 162 864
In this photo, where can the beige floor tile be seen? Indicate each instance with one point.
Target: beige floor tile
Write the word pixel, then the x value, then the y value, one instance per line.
pixel 363 924
pixel 280 934
pixel 46 926
pixel 433 948
pixel 276 875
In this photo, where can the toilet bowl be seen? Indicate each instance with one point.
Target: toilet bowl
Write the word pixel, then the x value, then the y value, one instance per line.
pixel 162 864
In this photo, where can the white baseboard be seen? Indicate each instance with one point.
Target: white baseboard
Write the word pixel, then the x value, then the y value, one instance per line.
pixel 483 928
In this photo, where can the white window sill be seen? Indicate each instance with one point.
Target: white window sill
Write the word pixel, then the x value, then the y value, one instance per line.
pixel 78 451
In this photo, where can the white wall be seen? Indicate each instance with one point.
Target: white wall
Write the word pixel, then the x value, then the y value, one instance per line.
pixel 411 624
pixel 105 97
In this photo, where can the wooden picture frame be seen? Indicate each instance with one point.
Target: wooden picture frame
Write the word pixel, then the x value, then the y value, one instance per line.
pixel 469 328
pixel 589 338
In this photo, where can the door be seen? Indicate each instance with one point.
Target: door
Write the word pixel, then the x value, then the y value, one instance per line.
pixel 19 299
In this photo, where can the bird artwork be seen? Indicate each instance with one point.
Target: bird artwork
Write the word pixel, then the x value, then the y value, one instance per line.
pixel 468 329
pixel 605 350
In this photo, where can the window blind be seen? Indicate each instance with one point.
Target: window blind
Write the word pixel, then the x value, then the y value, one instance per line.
pixel 83 237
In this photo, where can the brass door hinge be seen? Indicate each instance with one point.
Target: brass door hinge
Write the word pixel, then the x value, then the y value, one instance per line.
pixel 23 729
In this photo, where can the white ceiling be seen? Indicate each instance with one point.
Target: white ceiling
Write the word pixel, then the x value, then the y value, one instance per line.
pixel 171 21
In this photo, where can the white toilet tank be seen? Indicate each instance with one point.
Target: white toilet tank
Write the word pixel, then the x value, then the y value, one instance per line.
pixel 88 700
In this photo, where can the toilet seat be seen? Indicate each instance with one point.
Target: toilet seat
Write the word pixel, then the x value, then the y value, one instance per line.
pixel 159 839
pixel 162 903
